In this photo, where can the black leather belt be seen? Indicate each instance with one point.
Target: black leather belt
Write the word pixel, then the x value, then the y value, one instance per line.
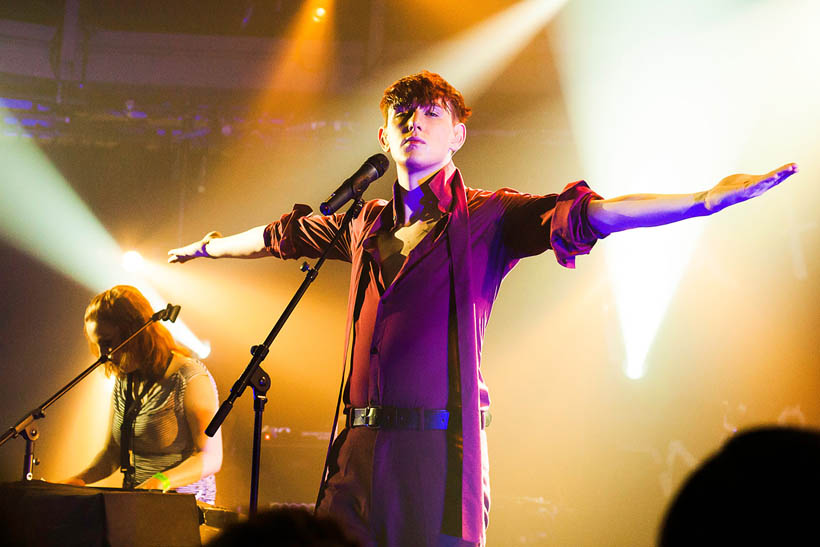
pixel 418 419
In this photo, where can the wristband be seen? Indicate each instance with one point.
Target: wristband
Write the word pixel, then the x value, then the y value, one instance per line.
pixel 166 484
pixel 203 251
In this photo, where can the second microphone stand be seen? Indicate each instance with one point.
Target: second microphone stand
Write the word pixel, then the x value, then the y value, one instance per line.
pixel 256 377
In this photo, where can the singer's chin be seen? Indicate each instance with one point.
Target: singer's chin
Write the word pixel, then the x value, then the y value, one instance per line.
pixel 415 161
pixel 124 366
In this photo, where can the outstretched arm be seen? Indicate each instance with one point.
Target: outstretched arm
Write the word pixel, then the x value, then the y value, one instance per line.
pixel 644 210
pixel 248 244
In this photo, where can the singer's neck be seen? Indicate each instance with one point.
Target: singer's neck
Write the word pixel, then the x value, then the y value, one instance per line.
pixel 410 179
pixel 418 200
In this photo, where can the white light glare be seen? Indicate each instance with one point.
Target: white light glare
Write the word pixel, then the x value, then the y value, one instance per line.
pixel 179 330
pixel 205 350
pixel 655 109
pixel 132 262
pixel 33 197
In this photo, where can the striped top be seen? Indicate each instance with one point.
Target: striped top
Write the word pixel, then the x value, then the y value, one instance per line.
pixel 162 438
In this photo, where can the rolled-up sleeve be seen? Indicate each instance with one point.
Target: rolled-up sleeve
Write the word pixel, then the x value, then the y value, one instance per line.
pixel 533 224
pixel 300 234
pixel 571 234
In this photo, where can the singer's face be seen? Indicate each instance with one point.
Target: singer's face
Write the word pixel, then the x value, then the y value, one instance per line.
pixel 421 137
pixel 103 337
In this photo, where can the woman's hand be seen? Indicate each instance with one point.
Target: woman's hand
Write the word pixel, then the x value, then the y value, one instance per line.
pixel 152 484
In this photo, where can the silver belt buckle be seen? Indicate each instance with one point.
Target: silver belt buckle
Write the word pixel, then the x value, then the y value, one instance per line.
pixel 371 417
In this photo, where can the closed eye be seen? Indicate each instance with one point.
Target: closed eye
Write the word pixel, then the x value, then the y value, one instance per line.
pixel 433 111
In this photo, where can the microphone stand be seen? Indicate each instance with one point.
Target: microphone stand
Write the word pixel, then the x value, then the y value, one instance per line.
pixel 26 427
pixel 256 377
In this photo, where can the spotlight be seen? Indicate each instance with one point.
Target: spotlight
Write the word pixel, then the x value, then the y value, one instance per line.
pixel 34 196
pixel 132 261
pixel 319 14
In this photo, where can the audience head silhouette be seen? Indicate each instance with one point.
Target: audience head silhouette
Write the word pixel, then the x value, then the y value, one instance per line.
pixel 285 527
pixel 761 488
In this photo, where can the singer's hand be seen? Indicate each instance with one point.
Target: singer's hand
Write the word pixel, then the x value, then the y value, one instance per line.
pixel 737 188
pixel 193 250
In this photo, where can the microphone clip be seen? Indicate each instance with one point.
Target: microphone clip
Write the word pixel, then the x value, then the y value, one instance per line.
pixel 170 313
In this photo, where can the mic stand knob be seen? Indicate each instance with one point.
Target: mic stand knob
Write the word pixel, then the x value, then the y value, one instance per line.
pixel 30 434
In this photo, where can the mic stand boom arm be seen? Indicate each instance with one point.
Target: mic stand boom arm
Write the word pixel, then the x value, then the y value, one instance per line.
pixel 24 426
pixel 256 377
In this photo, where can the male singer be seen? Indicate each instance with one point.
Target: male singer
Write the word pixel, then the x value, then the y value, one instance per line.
pixel 410 467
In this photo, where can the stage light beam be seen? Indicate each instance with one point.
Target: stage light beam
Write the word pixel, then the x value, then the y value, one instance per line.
pixel 304 57
pixel 669 98
pixel 41 215
pixel 472 59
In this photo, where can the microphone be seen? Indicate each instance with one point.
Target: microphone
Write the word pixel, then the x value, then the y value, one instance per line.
pixel 373 168
pixel 170 313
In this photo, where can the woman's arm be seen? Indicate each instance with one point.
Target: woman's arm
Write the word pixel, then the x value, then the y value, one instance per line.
pixel 106 462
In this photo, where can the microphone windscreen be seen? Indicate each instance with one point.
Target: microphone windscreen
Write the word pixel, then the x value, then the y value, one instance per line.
pixel 173 312
pixel 379 162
